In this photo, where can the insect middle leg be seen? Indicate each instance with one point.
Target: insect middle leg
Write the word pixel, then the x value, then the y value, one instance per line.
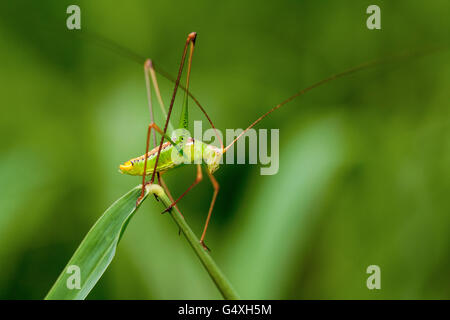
pixel 149 72
pixel 198 178
pixel 216 187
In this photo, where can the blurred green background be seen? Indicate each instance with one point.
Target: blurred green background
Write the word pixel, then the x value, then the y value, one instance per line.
pixel 364 161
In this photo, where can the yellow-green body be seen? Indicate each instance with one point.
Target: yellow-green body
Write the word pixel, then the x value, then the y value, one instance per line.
pixel 189 151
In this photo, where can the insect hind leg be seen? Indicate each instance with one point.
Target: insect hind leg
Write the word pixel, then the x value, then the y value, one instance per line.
pixel 198 179
pixel 216 187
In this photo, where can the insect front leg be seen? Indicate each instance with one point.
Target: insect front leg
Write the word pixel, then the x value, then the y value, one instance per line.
pixel 147 146
pixel 147 67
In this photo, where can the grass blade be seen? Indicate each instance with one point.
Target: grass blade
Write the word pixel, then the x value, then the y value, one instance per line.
pixel 98 248
pixel 221 282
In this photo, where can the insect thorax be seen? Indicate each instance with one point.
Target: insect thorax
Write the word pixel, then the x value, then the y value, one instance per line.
pixel 197 152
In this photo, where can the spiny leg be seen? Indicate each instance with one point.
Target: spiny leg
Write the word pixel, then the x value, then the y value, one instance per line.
pixel 163 109
pixel 149 71
pixel 216 187
pixel 184 116
pixel 198 178
pixel 190 40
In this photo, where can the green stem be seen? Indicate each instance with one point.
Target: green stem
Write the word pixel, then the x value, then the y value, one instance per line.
pixel 210 265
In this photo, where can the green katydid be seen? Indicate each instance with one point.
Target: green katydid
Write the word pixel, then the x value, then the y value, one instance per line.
pixel 159 160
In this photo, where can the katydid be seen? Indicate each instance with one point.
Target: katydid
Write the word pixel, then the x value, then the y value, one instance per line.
pixel 157 161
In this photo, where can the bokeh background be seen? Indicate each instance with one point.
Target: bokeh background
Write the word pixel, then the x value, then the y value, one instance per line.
pixel 364 161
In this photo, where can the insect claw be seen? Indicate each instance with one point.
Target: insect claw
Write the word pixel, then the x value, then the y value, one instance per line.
pixel 204 245
pixel 192 36
pixel 169 208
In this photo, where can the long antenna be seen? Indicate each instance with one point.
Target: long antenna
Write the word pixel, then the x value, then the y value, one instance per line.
pixel 409 54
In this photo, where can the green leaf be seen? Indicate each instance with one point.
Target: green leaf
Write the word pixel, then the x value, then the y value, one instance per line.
pixel 98 248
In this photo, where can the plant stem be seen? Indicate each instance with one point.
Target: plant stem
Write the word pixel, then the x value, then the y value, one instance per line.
pixel 210 265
